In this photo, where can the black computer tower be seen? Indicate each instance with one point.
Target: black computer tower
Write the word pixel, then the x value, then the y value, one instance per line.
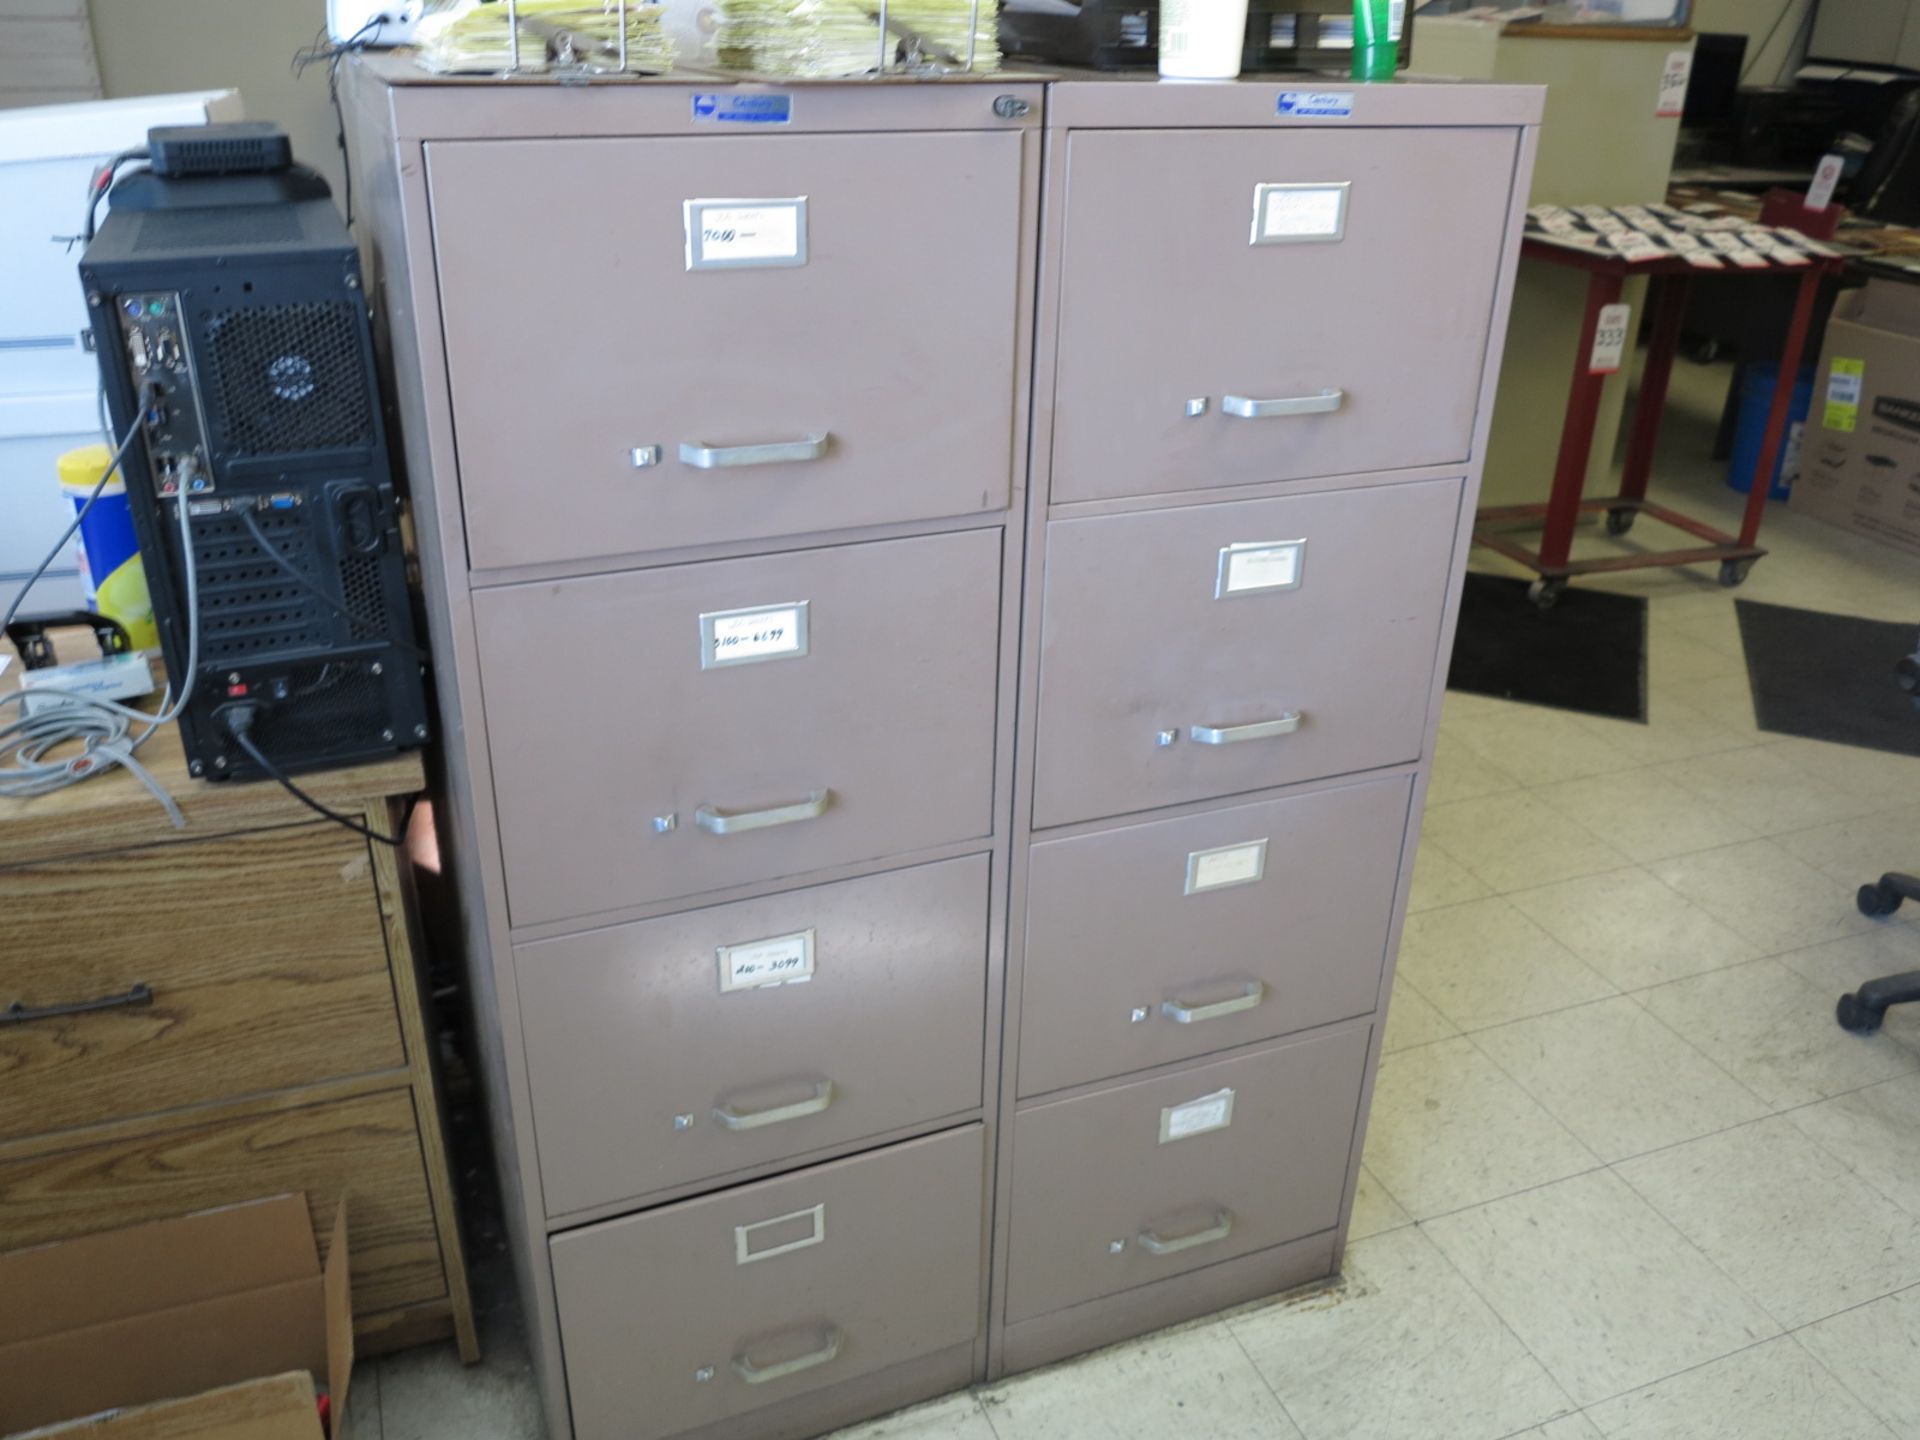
pixel 228 312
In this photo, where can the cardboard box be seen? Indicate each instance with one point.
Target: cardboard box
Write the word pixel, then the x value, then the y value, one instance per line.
pixel 1860 460
pixel 209 1327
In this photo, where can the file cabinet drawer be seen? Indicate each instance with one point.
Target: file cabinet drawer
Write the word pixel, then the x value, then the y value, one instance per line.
pixel 754 410
pixel 1292 289
pixel 664 732
pixel 694 1313
pixel 703 1043
pixel 1159 1177
pixel 1170 940
pixel 1217 649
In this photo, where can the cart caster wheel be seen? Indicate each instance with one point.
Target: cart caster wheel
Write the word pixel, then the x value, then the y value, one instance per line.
pixel 1732 572
pixel 1856 1017
pixel 1544 593
pixel 1619 520
pixel 1876 901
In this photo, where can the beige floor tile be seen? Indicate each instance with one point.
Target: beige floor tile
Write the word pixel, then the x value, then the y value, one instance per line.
pixel 1598 1286
pixel 955 1417
pixel 1412 1020
pixel 1842 966
pixel 1789 1223
pixel 1183 1382
pixel 1461 773
pixel 1710 621
pixel 1774 1032
pixel 1514 842
pixel 1766 790
pixel 1674 730
pixel 426 1394
pixel 1632 928
pixel 1884 778
pixel 1405 1351
pixel 1484 963
pixel 1645 814
pixel 1567 1427
pixel 1774 1391
pixel 1726 701
pixel 1875 1133
pixel 1858 851
pixel 1760 891
pixel 1537 745
pixel 1674 655
pixel 1618 1078
pixel 1450 1130
pixel 1374 1211
pixel 1439 880
pixel 1875 1352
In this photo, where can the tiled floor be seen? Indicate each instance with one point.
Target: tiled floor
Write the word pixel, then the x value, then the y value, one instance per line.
pixel 1625 1178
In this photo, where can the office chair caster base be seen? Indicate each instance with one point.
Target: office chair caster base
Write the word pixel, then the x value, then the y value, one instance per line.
pixel 1734 572
pixel 1860 1019
pixel 1544 593
pixel 1620 519
pixel 1876 900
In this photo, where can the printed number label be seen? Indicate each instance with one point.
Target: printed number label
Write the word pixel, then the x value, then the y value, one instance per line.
pixel 737 234
pixel 1610 339
pixel 1197 1117
pixel 780 960
pixel 1673 84
pixel 741 637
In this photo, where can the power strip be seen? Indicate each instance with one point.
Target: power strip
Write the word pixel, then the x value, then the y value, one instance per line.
pixel 117 677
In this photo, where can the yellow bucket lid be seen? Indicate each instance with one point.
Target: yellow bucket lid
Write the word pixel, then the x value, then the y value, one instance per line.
pixel 80 471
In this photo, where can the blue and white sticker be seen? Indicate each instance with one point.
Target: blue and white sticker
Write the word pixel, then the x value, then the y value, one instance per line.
pixel 741 109
pixel 1311 103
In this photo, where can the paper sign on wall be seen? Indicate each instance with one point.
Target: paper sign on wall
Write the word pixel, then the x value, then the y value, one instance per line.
pixel 1673 84
pixel 1845 381
pixel 741 637
pixel 1226 865
pixel 1197 1117
pixel 1610 339
pixel 738 234
pixel 780 960
pixel 1825 177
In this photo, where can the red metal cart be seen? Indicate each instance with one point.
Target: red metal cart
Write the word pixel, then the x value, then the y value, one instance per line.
pixel 1673 277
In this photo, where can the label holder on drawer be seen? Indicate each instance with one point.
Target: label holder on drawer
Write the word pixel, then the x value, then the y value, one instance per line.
pixel 746 234
pixel 816 1221
pixel 1300 214
pixel 755 634
pixel 777 960
pixel 1225 866
pixel 1197 1117
pixel 1259 567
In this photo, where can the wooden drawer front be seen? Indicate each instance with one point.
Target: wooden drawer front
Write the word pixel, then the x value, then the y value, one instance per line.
pixel 1140 663
pixel 366 1147
pixel 648 1071
pixel 1102 1202
pixel 1169 295
pixel 246 996
pixel 1174 939
pixel 603 720
pixel 913 411
pixel 697 1312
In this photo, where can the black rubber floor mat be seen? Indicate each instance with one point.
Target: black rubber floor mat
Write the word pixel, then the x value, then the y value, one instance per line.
pixel 1829 677
pixel 1587 653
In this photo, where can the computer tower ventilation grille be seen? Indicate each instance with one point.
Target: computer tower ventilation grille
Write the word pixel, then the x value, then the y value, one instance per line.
pixel 288 379
pixel 249 606
pixel 338 705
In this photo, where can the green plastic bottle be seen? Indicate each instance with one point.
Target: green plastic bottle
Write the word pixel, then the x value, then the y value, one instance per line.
pixel 1376 54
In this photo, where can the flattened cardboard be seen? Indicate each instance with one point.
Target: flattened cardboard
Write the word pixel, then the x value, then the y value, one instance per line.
pixel 1860 460
pixel 154 1315
pixel 280 1408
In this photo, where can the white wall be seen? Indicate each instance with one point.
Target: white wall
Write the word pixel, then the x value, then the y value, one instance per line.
pixel 151 47
pixel 1768 61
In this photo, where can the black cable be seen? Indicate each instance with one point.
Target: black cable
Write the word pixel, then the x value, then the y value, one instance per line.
pixel 333 602
pixel 102 182
pixel 241 729
pixel 1786 8
pixel 333 54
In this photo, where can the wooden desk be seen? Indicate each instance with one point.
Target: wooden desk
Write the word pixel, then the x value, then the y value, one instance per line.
pixel 283 1046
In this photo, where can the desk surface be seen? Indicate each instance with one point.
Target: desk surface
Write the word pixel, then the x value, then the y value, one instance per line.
pixel 115 810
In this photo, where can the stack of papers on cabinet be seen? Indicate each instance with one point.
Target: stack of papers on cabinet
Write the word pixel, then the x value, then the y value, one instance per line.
pixel 827 38
pixel 468 37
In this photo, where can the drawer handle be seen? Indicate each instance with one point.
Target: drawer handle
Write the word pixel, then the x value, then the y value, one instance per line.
pixel 716 821
pixel 780 452
pixel 1182 1013
pixel 1241 408
pixel 753 1374
pixel 19 1013
pixel 733 1119
pixel 1155 1244
pixel 1234 734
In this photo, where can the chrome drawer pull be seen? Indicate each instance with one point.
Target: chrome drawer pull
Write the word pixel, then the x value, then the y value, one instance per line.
pixel 1234 734
pixel 1221 1228
pixel 20 1013
pixel 780 452
pixel 716 821
pixel 1182 1013
pixel 753 1374
pixel 1241 408
pixel 733 1119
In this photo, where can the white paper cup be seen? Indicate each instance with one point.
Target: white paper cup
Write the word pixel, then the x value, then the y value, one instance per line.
pixel 1202 39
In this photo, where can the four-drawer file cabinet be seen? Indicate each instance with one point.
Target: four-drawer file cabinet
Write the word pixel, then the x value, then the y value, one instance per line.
pixel 939 594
